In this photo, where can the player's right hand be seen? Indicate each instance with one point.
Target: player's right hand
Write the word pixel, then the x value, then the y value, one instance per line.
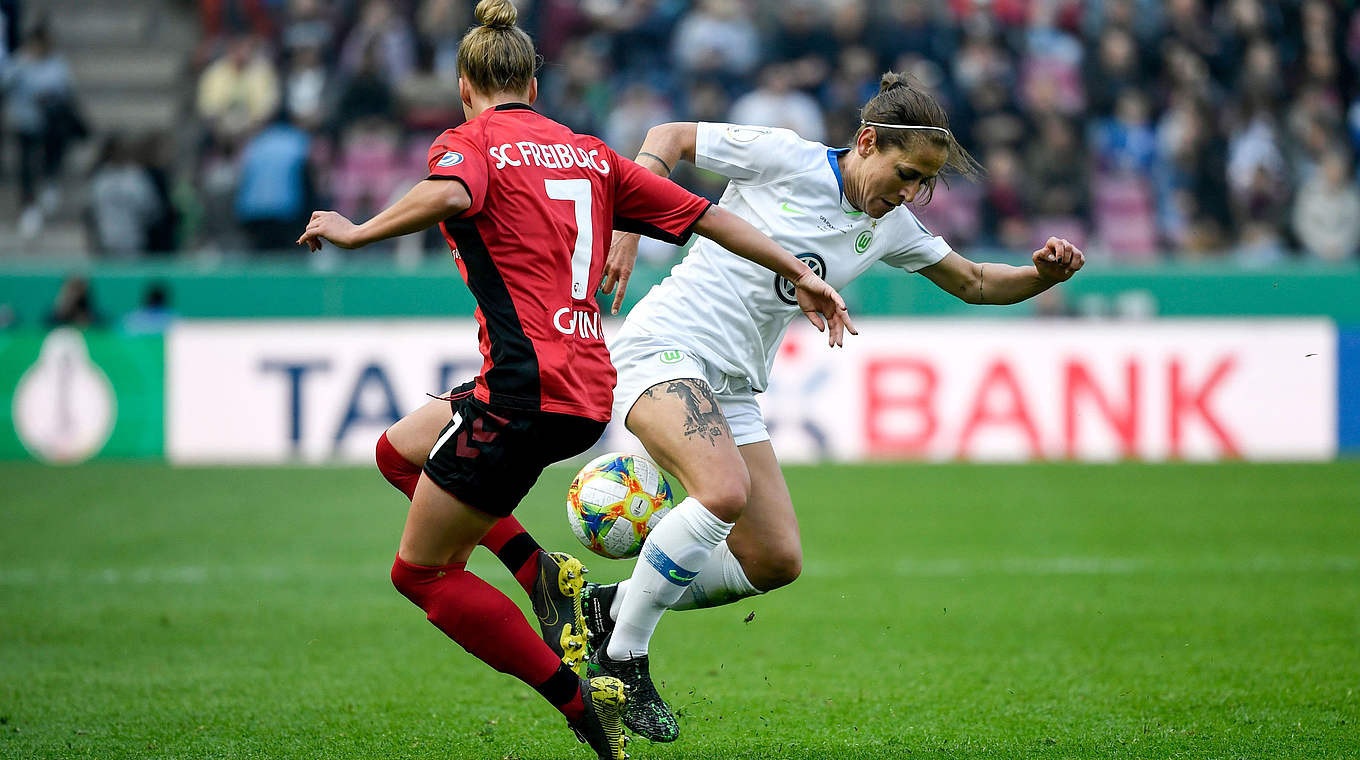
pixel 618 266
pixel 329 225
pixel 824 308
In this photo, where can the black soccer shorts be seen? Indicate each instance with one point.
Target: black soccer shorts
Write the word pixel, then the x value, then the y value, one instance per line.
pixel 490 458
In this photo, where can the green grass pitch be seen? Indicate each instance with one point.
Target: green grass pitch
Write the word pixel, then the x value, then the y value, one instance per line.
pixel 952 611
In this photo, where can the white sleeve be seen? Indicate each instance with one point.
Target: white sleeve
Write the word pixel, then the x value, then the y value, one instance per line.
pixel 915 247
pixel 753 155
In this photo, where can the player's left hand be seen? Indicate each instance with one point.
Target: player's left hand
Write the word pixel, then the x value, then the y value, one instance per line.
pixel 618 266
pixel 1058 260
pixel 329 225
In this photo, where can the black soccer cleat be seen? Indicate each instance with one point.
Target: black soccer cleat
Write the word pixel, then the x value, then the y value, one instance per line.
pixel 602 724
pixel 557 605
pixel 646 712
pixel 596 600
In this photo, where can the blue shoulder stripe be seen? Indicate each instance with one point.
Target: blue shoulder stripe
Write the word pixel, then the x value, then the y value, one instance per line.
pixel 831 155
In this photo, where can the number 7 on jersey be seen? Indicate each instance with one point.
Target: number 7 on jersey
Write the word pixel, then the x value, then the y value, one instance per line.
pixel 578 192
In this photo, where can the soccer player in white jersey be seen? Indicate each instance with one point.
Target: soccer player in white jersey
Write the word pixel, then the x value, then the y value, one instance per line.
pixel 696 350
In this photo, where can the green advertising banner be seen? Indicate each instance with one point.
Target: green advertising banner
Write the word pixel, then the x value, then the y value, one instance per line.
pixel 75 394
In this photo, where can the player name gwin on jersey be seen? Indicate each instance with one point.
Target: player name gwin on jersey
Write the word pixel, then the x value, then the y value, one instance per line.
pixel 550 156
pixel 581 323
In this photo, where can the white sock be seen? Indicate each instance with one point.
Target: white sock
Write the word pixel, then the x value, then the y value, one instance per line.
pixel 720 581
pixel 620 589
pixel 670 560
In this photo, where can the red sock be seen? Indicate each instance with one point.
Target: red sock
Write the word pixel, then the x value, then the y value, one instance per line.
pixel 396 468
pixel 490 627
pixel 516 549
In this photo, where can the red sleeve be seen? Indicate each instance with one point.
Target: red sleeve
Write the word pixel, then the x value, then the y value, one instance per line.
pixel 454 155
pixel 650 205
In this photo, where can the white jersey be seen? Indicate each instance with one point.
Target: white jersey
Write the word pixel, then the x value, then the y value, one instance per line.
pixel 732 312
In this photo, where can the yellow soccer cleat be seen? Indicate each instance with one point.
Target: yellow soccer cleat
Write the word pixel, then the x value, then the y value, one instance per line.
pixel 556 600
pixel 602 724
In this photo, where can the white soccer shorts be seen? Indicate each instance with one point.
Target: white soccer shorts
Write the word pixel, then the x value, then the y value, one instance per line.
pixel 644 360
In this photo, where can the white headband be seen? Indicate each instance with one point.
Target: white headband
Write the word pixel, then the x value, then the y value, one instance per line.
pixel 902 126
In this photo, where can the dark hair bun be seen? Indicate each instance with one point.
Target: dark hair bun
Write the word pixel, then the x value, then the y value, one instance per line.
pixel 891 81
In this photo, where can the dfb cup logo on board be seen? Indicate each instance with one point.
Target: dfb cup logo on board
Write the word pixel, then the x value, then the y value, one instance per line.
pixel 64 406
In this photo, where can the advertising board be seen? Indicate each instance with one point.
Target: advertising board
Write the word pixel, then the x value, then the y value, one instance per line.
pixel 918 389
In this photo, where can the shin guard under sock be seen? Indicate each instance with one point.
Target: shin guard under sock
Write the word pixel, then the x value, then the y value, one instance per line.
pixel 671 558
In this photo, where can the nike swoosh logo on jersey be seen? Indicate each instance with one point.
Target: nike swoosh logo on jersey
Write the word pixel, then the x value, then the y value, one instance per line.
pixel 791 210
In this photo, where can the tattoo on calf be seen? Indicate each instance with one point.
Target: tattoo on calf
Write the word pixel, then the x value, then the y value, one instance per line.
pixel 703 418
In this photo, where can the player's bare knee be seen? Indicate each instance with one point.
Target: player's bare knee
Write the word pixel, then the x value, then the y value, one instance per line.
pixel 725 496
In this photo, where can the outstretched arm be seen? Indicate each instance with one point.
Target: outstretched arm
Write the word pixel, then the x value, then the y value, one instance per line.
pixel 820 303
pixel 991 283
pixel 427 204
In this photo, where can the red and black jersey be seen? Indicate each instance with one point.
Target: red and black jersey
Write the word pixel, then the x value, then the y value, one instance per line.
pixel 532 249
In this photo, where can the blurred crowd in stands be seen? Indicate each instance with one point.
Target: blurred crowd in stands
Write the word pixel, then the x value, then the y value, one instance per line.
pixel 1142 130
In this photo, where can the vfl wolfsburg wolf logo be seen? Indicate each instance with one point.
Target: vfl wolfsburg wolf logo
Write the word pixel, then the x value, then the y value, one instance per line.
pixel 785 290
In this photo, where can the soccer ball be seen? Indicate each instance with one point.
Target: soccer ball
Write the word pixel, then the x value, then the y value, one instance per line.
pixel 614 500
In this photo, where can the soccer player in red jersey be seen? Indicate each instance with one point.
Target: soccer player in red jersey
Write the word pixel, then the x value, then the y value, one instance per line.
pixel 528 208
